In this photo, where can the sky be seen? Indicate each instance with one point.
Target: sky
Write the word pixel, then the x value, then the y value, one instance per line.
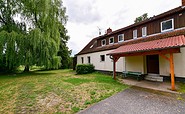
pixel 86 17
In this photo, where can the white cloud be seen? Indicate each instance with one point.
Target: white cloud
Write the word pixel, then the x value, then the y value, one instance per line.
pixel 86 15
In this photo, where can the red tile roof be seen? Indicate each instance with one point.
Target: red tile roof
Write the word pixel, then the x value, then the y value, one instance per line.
pixel 171 42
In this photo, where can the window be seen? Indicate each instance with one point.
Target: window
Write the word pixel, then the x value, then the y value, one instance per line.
pixel 144 32
pixel 135 34
pixel 102 58
pixel 89 59
pixel 120 37
pixel 82 60
pixel 111 40
pixel 103 42
pixel 167 25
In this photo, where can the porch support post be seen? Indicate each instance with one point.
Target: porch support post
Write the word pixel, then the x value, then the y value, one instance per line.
pixel 170 59
pixel 114 69
pixel 172 72
pixel 115 59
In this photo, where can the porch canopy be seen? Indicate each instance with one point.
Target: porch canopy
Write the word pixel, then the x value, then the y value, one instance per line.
pixel 161 47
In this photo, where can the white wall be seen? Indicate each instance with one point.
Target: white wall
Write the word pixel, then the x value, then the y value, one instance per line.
pixel 107 65
pixel 179 64
pixel 135 63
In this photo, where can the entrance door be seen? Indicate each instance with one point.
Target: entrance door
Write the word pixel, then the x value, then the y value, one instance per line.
pixel 152 64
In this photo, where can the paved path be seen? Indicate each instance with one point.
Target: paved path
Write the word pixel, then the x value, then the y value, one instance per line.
pixel 138 101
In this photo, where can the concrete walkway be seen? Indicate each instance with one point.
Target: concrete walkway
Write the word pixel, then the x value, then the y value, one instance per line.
pixel 159 86
pixel 139 101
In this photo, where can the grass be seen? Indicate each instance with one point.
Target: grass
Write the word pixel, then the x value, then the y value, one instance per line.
pixel 57 91
pixel 182 88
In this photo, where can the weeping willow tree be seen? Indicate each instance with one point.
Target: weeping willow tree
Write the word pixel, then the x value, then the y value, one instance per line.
pixel 36 38
pixel 46 18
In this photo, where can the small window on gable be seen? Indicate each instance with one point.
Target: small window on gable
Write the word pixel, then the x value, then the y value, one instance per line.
pixel 82 60
pixel 144 31
pixel 167 25
pixel 103 42
pixel 102 58
pixel 89 59
pixel 135 34
pixel 120 37
pixel 111 40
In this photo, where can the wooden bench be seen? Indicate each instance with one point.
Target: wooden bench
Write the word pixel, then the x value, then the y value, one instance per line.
pixel 137 75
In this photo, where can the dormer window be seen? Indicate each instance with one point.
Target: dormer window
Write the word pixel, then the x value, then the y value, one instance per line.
pixel 144 31
pixel 111 40
pixel 135 34
pixel 103 42
pixel 167 25
pixel 120 37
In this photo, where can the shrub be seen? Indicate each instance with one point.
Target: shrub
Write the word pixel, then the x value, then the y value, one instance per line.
pixel 84 68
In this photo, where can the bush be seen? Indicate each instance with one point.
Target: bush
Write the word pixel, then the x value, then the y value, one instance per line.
pixel 84 68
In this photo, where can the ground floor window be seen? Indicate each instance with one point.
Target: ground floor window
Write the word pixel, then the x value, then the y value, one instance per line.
pixel 82 60
pixel 102 58
pixel 89 59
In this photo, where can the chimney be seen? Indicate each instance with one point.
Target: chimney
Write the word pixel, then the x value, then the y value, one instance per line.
pixel 183 2
pixel 109 30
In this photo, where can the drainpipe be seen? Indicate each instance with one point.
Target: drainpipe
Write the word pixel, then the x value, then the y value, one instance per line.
pixel 112 64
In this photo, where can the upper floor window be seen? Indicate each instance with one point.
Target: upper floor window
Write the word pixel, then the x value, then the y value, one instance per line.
pixel 135 34
pixel 120 37
pixel 144 31
pixel 111 40
pixel 82 60
pixel 167 25
pixel 102 58
pixel 89 59
pixel 103 42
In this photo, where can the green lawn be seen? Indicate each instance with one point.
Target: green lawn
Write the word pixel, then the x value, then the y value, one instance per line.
pixel 182 88
pixel 57 91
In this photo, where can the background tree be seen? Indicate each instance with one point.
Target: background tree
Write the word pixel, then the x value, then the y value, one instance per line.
pixel 141 18
pixel 11 33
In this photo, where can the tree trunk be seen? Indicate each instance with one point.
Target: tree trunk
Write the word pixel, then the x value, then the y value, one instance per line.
pixel 27 68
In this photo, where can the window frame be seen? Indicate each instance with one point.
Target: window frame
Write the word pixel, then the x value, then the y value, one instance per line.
pixel 123 37
pixel 82 60
pixel 101 58
pixel 144 29
pixel 167 29
pixel 135 36
pixel 102 42
pixel 110 40
pixel 89 60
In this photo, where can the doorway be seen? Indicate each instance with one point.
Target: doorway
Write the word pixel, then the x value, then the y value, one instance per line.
pixel 152 64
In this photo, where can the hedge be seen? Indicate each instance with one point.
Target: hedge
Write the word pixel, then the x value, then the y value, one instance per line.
pixel 84 68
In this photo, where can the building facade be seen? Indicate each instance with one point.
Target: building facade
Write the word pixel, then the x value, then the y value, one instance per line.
pixel 142 47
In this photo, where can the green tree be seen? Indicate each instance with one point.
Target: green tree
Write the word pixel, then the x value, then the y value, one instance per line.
pixel 48 18
pixel 141 18
pixel 11 32
pixel 36 38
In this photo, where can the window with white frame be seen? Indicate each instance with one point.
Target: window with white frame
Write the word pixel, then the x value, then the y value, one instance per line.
pixel 135 34
pixel 144 31
pixel 102 58
pixel 120 37
pixel 167 25
pixel 103 42
pixel 111 40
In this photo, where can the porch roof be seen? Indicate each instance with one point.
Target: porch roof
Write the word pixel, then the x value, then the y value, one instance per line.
pixel 160 44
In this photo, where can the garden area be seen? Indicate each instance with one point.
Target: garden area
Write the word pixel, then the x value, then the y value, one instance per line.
pixel 56 91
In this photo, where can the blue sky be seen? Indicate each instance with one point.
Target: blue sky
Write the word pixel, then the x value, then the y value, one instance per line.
pixel 85 16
